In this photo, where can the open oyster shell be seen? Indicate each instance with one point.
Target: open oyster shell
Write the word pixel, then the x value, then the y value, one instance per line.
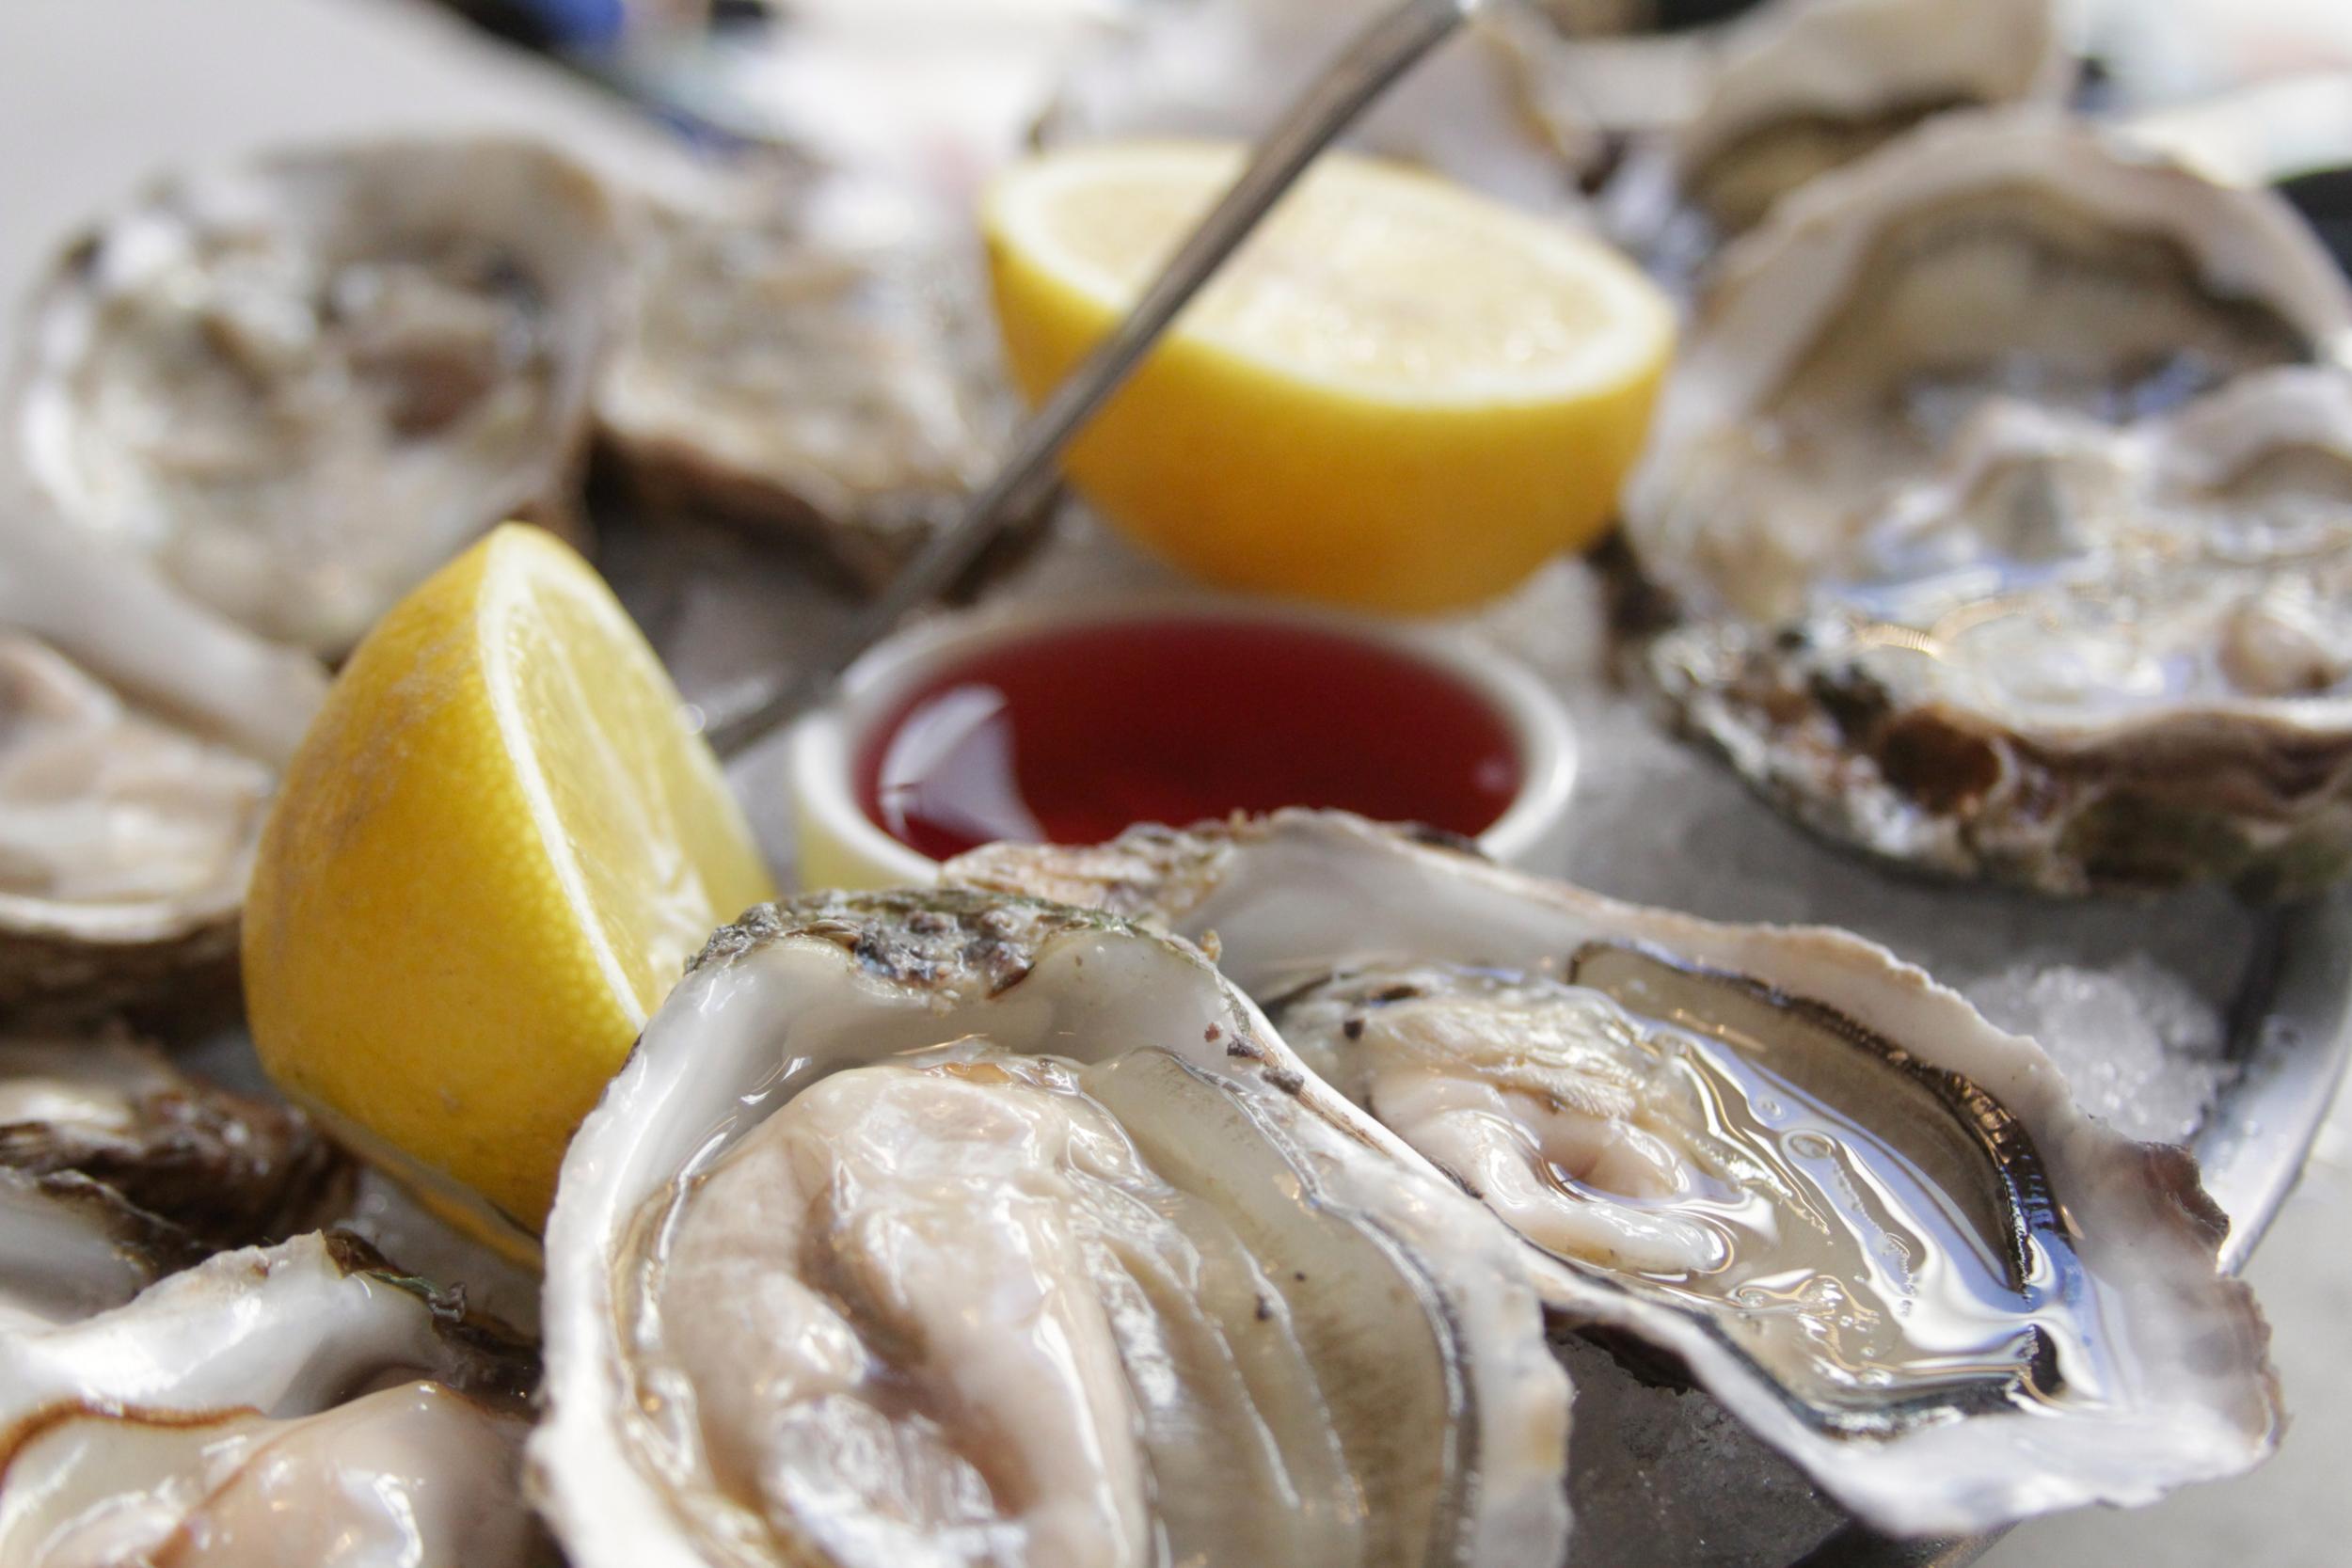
pixel 2006 493
pixel 808 355
pixel 1874 1226
pixel 943 1227
pixel 115 1169
pixel 71 1247
pixel 296 1405
pixel 303 382
pixel 229 1169
pixel 1800 88
pixel 140 738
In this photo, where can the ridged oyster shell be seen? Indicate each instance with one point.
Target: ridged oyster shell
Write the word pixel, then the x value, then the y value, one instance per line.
pixel 302 382
pixel 1799 90
pixel 1633 1088
pixel 2005 493
pixel 809 356
pixel 866 1171
pixel 140 740
pixel 228 1170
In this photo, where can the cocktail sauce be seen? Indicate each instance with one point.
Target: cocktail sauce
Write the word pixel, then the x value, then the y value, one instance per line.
pixel 1069 736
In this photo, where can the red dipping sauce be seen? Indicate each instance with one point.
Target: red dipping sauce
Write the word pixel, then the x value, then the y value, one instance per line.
pixel 1069 736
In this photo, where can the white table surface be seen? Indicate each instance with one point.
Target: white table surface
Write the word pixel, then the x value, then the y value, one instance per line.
pixel 95 94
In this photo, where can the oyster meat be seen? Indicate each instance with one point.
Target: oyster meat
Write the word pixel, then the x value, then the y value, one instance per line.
pixel 70 1247
pixel 1801 89
pixel 116 1168
pixel 2005 496
pixel 953 1228
pixel 303 1404
pixel 302 382
pixel 810 357
pixel 140 740
pixel 1871 1225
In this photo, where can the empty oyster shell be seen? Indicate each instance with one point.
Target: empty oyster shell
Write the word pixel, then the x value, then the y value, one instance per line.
pixel 297 1405
pixel 2007 489
pixel 140 738
pixel 940 1228
pixel 302 382
pixel 1873 1226
pixel 1801 89
pixel 810 357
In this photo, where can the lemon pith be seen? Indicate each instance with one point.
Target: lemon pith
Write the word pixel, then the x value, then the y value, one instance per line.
pixel 1400 395
pixel 495 848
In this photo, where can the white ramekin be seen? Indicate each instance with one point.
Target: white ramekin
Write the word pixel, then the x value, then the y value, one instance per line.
pixel 839 846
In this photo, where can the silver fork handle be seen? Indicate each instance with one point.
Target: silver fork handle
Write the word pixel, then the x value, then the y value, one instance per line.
pixel 1350 85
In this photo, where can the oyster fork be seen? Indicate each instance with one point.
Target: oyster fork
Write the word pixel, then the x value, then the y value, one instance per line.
pixel 1350 85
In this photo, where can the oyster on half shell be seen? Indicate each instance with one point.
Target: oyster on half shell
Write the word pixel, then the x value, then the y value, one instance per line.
pixel 229 1169
pixel 1872 1225
pixel 303 382
pixel 1801 89
pixel 303 1404
pixel 808 355
pixel 140 738
pixel 2005 496
pixel 116 1168
pixel 946 1228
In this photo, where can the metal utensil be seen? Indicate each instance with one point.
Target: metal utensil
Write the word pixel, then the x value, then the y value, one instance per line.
pixel 1350 85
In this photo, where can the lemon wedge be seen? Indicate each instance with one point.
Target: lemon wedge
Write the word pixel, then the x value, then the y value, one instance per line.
pixel 1398 394
pixel 497 846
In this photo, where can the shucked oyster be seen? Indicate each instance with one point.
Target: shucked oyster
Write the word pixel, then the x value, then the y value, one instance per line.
pixel 115 1169
pixel 140 740
pixel 1873 1226
pixel 807 357
pixel 2006 489
pixel 1800 88
pixel 947 1229
pixel 299 1405
pixel 70 1247
pixel 302 382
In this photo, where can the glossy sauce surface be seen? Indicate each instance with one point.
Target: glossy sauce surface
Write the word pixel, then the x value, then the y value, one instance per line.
pixel 1069 735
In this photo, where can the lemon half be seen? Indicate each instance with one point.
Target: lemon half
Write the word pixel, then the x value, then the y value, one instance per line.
pixel 496 849
pixel 1398 394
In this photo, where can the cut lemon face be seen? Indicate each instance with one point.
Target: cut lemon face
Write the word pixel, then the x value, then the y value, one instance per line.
pixel 496 848
pixel 1397 393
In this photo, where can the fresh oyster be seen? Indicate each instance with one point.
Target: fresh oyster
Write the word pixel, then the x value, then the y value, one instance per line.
pixel 302 382
pixel 115 1169
pixel 229 1169
pixel 303 1404
pixel 940 1228
pixel 140 738
pixel 2006 491
pixel 1803 88
pixel 70 1247
pixel 1873 1226
pixel 808 357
